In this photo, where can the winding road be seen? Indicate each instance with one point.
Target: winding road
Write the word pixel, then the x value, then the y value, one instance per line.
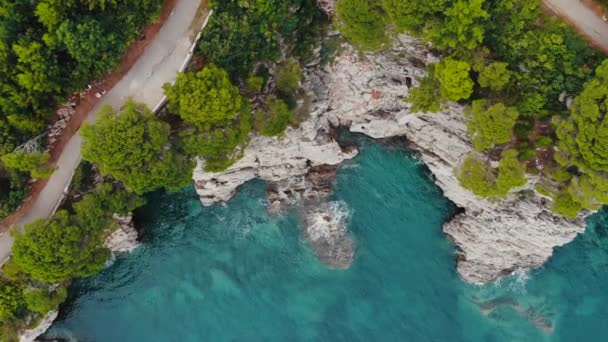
pixel 166 55
pixel 583 18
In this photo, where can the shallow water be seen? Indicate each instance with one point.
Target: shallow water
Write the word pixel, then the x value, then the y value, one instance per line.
pixel 234 273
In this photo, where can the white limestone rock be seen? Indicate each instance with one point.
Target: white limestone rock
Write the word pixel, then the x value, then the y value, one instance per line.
pixel 273 159
pixel 365 93
pixel 41 328
pixel 123 239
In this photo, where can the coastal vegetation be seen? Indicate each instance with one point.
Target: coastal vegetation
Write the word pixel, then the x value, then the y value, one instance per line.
pixel 49 253
pixel 517 70
pixel 210 114
pixel 48 50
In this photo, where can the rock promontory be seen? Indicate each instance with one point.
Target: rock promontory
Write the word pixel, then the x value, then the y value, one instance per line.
pixel 365 93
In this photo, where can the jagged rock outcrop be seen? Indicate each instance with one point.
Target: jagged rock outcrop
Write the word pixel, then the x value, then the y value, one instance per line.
pixel 365 93
pixel 124 238
pixel 326 227
pixel 328 6
pixel 274 159
pixel 41 328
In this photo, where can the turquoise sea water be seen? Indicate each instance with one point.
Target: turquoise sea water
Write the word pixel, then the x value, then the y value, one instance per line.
pixel 234 273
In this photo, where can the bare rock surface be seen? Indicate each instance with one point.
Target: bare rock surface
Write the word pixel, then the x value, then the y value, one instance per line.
pixel 123 239
pixel 41 328
pixel 365 92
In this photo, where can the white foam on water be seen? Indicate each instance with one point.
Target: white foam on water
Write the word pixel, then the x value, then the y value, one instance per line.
pixel 328 221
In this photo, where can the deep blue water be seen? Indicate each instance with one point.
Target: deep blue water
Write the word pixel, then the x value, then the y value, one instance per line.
pixel 235 273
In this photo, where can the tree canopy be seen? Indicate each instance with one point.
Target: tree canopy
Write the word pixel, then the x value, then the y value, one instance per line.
pixel 53 250
pixel 206 99
pixel 490 125
pixel 243 32
pixel 11 301
pixel 463 26
pixel 133 147
pixel 456 84
pixel 583 137
pixel 362 22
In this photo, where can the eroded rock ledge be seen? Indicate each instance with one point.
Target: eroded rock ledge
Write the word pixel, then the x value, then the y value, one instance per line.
pixel 365 94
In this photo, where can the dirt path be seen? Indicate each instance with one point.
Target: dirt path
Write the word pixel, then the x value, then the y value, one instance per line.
pixel 585 16
pixel 146 68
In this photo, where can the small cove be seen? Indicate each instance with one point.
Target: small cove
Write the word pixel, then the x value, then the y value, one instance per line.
pixel 235 273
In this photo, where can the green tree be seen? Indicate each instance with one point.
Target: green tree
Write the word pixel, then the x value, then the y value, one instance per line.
pixel 462 28
pixel 425 97
pixel 24 161
pixel 565 205
pixel 38 70
pixel 95 47
pixel 490 125
pixel 11 301
pixel 289 76
pixel 495 76
pixel 362 22
pixel 583 137
pixel 206 99
pixel 456 84
pixel 133 147
pixel 477 176
pixel 273 119
pixel 42 301
pixel 96 208
pixel 410 15
pixel 217 146
pixel 511 173
pixel 53 250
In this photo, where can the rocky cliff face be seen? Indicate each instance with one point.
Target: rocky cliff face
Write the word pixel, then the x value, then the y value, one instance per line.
pixel 123 239
pixel 46 322
pixel 365 93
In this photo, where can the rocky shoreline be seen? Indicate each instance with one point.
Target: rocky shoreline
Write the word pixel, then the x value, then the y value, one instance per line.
pixel 364 93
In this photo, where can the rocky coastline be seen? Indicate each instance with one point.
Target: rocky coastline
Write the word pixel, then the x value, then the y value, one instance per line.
pixel 364 93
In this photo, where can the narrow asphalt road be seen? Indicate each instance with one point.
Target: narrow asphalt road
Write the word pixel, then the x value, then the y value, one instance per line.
pixel 159 64
pixel 583 18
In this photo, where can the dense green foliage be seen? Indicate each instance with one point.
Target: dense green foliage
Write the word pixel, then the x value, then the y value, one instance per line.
pixel 511 173
pixel 56 249
pixel 273 119
pixel 27 162
pixel 412 15
pixel 131 146
pixel 206 99
pixel 494 76
pixel 583 143
pixel 289 75
pixel 243 32
pixel 11 301
pixel 462 27
pixel 490 125
pixel 70 243
pixel 42 301
pixel 453 75
pixel 425 97
pixel 478 176
pixel 583 136
pixel 362 22
pixel 218 113
pixel 48 49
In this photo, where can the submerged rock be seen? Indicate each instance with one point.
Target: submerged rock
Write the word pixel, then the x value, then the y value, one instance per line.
pixel 326 227
pixel 365 93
